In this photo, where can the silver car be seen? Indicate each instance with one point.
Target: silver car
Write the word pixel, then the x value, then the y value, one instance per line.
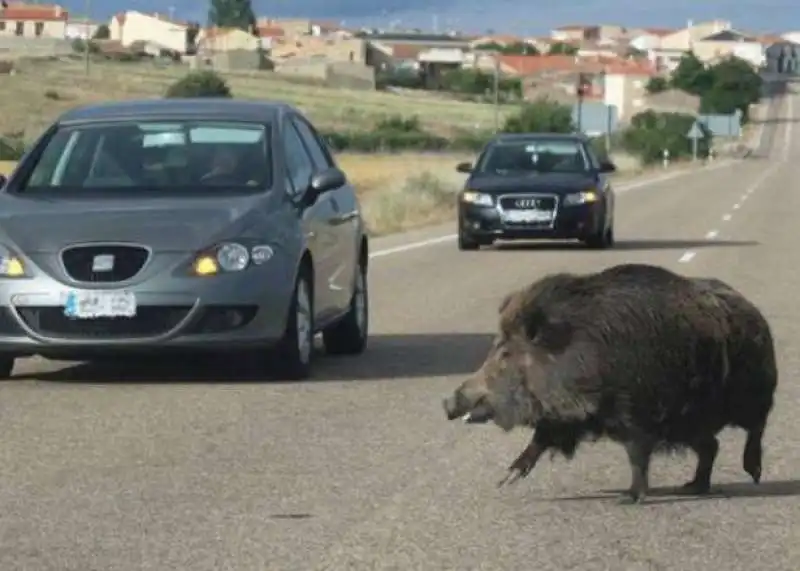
pixel 182 224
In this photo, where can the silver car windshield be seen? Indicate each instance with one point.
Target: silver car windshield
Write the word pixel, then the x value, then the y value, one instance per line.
pixel 539 156
pixel 153 156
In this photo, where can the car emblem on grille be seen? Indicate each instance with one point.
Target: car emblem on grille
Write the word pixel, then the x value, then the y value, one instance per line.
pixel 526 203
pixel 103 263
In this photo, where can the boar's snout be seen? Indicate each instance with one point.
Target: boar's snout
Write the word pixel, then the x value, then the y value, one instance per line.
pixel 468 402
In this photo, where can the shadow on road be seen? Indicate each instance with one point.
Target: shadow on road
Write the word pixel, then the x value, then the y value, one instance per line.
pixel 387 357
pixel 625 245
pixel 669 495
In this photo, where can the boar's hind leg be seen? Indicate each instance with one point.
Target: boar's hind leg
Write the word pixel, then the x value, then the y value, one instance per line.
pixel 706 449
pixel 640 450
pixel 751 460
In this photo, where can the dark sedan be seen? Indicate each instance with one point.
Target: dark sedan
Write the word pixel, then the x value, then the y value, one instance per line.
pixel 536 186
pixel 205 225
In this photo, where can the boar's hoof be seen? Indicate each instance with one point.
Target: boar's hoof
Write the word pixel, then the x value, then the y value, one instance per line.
pixel 632 497
pixel 521 467
pixel 695 487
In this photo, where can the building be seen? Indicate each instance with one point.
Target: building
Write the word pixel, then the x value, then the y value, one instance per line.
pixel 33 20
pixel 153 29
pixel 667 55
pixel 215 40
pixel 730 42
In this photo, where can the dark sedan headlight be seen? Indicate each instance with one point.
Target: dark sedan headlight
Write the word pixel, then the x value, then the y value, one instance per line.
pixel 230 257
pixel 585 197
pixel 477 198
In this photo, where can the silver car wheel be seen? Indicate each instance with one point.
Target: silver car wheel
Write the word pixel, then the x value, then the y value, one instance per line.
pixel 303 320
pixel 360 302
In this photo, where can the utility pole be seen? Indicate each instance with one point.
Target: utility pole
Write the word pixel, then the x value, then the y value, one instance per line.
pixel 86 59
pixel 496 92
pixel 580 91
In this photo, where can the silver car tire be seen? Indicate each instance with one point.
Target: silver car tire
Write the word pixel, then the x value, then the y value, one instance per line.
pixel 6 367
pixel 348 336
pixel 295 351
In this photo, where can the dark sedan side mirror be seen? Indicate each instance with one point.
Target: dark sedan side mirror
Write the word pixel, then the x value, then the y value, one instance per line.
pixel 466 168
pixel 326 180
pixel 607 167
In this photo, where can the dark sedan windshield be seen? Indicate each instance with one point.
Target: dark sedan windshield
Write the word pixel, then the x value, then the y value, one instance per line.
pixel 534 156
pixel 153 156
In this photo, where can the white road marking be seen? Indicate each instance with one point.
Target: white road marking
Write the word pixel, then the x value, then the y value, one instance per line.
pixel 711 235
pixel 413 246
pixel 687 257
pixel 737 206
pixel 726 218
pixel 744 197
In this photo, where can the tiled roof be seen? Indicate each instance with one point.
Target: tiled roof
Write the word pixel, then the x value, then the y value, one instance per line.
pixel 406 51
pixel 37 12
pixel 530 65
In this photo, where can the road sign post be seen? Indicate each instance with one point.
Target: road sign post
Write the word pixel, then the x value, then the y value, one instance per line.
pixel 694 134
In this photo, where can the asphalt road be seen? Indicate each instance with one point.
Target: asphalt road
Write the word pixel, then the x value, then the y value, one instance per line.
pixel 358 469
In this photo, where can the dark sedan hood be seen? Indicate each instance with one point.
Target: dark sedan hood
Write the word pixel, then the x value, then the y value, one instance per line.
pixel 531 182
pixel 39 224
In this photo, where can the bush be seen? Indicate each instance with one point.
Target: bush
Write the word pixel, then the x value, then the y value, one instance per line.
pixel 541 116
pixel 657 85
pixel 205 83
pixel 651 133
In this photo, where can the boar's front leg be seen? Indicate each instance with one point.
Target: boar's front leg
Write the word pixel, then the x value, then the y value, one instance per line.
pixel 524 463
pixel 547 435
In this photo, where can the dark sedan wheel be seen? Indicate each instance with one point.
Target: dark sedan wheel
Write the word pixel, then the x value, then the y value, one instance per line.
pixel 6 367
pixel 467 241
pixel 602 240
pixel 349 335
pixel 295 350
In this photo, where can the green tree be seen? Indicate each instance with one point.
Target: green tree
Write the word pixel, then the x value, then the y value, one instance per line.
pixel 691 75
pixel 562 48
pixel 232 14
pixel 205 83
pixel 541 116
pixel 101 33
pixel 651 132
pixel 657 85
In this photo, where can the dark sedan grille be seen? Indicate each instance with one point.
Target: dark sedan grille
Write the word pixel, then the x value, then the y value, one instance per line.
pixel 150 321
pixel 528 202
pixel 104 263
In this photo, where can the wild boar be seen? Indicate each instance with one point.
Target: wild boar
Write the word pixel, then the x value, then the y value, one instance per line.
pixel 634 353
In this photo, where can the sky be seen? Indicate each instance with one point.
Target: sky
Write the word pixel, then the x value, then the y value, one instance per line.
pixel 536 17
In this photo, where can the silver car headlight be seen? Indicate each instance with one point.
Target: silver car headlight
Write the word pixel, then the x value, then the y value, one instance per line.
pixel 233 257
pixel 477 198
pixel 230 257
pixel 11 265
pixel 585 197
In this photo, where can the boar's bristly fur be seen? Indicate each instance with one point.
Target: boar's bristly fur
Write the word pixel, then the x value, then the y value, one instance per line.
pixel 635 353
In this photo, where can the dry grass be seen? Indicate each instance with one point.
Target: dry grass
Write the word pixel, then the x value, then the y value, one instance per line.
pixel 42 90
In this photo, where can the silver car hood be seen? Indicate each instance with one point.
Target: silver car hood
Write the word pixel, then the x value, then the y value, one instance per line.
pixel 43 225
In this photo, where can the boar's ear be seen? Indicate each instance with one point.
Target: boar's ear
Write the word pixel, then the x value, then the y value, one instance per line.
pixel 553 334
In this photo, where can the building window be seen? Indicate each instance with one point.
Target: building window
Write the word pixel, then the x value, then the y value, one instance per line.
pixel 38 28
pixel 2 26
pixel 20 28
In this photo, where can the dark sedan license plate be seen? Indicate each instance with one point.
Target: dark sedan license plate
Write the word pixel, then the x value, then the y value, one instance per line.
pixel 527 216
